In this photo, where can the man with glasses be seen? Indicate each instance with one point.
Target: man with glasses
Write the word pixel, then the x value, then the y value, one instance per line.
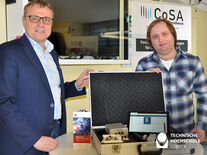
pixel 32 91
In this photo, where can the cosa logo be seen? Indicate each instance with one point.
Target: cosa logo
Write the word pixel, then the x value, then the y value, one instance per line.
pixel 170 15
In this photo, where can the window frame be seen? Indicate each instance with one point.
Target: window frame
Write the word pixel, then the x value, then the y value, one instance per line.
pixel 63 61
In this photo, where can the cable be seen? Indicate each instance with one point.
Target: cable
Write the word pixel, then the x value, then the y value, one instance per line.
pixel 199 2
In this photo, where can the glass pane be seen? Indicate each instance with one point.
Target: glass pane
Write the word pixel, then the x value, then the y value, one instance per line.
pixel 90 29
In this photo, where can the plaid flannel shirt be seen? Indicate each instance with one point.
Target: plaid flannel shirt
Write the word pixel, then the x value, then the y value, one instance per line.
pixel 185 77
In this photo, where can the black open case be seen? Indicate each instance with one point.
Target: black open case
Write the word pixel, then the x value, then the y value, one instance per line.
pixel 114 94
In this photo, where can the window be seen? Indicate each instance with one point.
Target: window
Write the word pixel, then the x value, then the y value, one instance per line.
pixel 90 30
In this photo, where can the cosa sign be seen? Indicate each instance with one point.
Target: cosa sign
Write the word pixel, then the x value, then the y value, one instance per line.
pixel 170 15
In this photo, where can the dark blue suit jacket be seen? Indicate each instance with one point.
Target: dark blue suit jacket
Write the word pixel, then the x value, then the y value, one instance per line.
pixel 26 101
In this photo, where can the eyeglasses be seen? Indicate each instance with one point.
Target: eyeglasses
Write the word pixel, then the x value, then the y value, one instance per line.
pixel 36 19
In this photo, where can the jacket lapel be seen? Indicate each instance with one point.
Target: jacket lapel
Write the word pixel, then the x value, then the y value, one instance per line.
pixel 29 51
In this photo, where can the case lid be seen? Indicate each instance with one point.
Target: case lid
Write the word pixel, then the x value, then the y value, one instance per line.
pixel 114 94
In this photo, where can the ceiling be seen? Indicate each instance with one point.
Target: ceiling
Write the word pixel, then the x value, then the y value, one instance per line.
pixel 65 9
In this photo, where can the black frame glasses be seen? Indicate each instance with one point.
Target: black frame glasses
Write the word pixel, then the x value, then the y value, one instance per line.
pixel 36 19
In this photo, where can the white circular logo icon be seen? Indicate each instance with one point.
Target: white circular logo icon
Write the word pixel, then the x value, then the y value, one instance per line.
pixel 161 141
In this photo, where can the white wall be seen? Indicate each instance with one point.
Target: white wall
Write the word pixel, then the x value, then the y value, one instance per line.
pixel 14 16
pixel 2 19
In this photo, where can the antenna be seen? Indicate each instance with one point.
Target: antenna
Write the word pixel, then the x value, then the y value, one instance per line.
pixel 199 1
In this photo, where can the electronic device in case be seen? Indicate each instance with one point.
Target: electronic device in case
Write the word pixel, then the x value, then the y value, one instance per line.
pixel 148 122
pixel 117 129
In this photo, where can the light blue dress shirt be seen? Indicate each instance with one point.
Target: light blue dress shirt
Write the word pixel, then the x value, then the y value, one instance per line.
pixel 51 71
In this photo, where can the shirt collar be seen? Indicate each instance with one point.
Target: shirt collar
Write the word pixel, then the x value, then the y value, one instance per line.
pixel 48 45
pixel 180 52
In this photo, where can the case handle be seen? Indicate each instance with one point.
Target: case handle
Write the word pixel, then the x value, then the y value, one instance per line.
pixel 159 152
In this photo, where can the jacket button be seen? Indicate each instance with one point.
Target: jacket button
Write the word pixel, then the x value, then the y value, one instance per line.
pixel 51 126
pixel 52 105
